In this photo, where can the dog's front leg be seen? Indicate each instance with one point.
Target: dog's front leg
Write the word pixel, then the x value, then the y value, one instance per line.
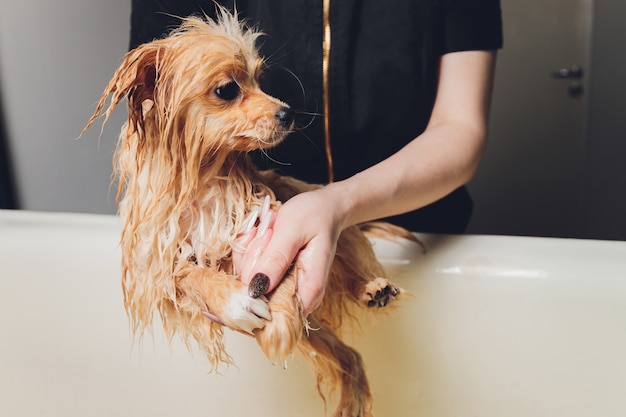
pixel 220 296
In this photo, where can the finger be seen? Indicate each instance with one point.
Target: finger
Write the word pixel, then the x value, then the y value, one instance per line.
pixel 272 264
pixel 239 251
pixel 258 285
pixel 311 296
pixel 253 254
pixel 313 265
pixel 245 261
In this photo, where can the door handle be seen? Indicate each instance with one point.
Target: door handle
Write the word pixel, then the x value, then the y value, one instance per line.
pixel 575 71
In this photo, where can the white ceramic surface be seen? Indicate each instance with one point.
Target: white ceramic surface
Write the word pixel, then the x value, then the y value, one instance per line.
pixel 497 327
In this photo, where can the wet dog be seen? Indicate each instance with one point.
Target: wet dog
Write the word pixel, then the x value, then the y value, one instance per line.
pixel 191 200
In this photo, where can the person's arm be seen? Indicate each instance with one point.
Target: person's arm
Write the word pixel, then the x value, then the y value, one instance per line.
pixel 431 166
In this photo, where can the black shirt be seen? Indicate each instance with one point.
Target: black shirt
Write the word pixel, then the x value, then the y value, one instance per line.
pixel 384 61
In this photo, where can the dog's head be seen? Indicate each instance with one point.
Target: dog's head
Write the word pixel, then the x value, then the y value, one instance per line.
pixel 196 91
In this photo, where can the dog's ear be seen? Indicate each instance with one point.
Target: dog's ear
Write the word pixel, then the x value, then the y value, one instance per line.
pixel 134 80
pixel 145 80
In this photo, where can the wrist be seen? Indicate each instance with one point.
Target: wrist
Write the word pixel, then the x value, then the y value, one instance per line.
pixel 340 203
pixel 352 201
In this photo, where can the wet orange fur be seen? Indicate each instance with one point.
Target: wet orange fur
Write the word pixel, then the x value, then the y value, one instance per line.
pixel 187 189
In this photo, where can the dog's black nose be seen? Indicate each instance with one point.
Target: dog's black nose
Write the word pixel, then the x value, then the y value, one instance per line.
pixel 285 116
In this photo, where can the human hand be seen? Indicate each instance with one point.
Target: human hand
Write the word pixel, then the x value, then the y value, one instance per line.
pixel 306 229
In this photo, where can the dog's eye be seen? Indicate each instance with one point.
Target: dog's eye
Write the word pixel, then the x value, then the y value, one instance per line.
pixel 228 91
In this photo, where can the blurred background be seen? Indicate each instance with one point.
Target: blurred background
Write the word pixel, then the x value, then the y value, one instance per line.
pixel 554 165
pixel 55 60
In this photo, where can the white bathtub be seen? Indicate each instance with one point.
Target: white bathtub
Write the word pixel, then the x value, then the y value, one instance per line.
pixel 498 326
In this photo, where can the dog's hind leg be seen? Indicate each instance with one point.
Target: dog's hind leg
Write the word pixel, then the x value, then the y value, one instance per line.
pixel 358 275
pixel 338 366
pixel 379 292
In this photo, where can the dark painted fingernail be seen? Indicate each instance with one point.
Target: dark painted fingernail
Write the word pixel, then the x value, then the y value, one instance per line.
pixel 258 285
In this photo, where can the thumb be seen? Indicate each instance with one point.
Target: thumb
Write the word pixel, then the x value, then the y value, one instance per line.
pixel 272 264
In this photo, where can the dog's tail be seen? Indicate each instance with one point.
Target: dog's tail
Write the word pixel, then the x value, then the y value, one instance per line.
pixel 388 231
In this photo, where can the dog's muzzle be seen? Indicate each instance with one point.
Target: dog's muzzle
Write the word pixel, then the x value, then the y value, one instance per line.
pixel 285 117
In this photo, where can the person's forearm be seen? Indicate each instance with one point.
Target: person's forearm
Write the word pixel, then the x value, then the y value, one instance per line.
pixel 440 160
pixel 445 157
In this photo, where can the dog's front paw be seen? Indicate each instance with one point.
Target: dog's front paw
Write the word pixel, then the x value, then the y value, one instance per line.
pixel 380 292
pixel 244 313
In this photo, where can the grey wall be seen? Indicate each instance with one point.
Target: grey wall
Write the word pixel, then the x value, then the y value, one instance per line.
pixel 55 59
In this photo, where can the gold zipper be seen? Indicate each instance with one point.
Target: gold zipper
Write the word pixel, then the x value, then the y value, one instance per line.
pixel 325 64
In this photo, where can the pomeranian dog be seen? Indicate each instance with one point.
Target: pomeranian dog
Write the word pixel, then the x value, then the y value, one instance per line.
pixel 190 200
